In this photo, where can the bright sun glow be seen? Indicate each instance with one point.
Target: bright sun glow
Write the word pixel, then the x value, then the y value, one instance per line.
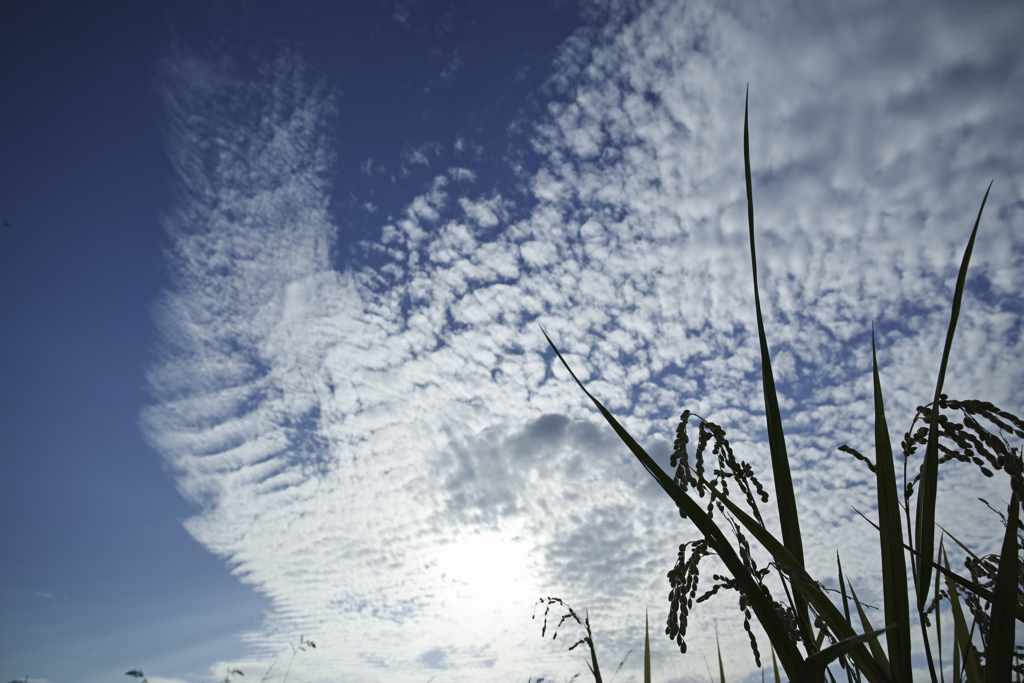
pixel 488 570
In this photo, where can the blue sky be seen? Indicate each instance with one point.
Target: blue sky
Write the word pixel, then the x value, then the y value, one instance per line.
pixel 271 279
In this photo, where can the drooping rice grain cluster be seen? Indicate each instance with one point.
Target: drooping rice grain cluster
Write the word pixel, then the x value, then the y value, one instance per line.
pixel 684 577
pixel 587 639
pixel 972 441
pixel 809 632
pixel 969 442
pixel 728 466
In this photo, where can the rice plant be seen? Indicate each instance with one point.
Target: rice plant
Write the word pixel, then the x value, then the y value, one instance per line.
pixel 588 639
pixel 807 630
pixel 231 672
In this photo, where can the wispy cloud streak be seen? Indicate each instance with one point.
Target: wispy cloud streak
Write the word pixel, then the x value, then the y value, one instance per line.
pixel 358 441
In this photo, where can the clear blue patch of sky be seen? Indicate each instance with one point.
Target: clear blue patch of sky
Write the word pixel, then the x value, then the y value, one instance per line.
pixel 98 569
pixel 99 574
pixel 392 99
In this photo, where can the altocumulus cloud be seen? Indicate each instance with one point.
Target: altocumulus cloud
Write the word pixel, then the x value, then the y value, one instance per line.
pixel 386 449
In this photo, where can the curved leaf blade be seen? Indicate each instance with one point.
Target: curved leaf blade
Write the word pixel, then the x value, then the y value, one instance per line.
pixel 792 661
pixel 784 495
pixel 647 648
pixel 924 525
pixel 961 634
pixel 894 566
pixel 999 659
pixel 817 662
pixel 875 668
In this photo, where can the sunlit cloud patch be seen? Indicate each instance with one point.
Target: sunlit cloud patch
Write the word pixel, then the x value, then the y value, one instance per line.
pixel 375 436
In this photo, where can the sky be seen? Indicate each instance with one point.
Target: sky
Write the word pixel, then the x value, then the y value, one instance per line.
pixel 273 280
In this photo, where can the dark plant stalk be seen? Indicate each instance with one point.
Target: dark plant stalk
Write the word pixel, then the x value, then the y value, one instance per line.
pixel 894 568
pixel 924 531
pixel 785 497
pixel 1001 639
pixel 860 653
pixel 791 659
pixel 647 649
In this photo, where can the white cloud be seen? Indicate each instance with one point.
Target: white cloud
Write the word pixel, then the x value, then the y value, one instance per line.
pixel 420 155
pixel 462 175
pixel 401 11
pixel 451 68
pixel 348 436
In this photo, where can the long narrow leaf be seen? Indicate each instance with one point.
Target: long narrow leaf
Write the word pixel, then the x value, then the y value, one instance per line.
pixel 972 586
pixel 819 639
pixel 938 624
pixel 957 664
pixel 721 668
pixel 999 659
pixel 876 647
pixel 792 661
pixel 809 589
pixel 850 670
pixel 950 575
pixel 647 649
pixel 961 635
pixel 817 662
pixel 784 494
pixel 924 531
pixel 846 612
pixel 894 567
pixel 594 668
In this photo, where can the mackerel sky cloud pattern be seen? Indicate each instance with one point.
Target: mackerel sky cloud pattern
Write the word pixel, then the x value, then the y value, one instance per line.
pixel 374 435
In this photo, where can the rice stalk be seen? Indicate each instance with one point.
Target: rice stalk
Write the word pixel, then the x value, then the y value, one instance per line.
pixel 647 649
pixel 924 530
pixel 995 579
pixel 721 667
pixel 587 639
pixel 1001 632
pixel 894 567
pixel 962 640
pixel 784 495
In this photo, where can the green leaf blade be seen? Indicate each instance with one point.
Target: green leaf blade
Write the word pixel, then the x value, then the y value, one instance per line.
pixel 894 566
pixel 876 667
pixel 792 661
pixel 817 662
pixel 647 648
pixel 924 525
pixel 961 634
pixel 999 660
pixel 876 648
pixel 721 667
pixel 784 495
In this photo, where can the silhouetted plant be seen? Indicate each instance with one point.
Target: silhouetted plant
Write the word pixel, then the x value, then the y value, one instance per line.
pixel 301 647
pixel 231 672
pixel 570 613
pixel 993 594
pixel 595 670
